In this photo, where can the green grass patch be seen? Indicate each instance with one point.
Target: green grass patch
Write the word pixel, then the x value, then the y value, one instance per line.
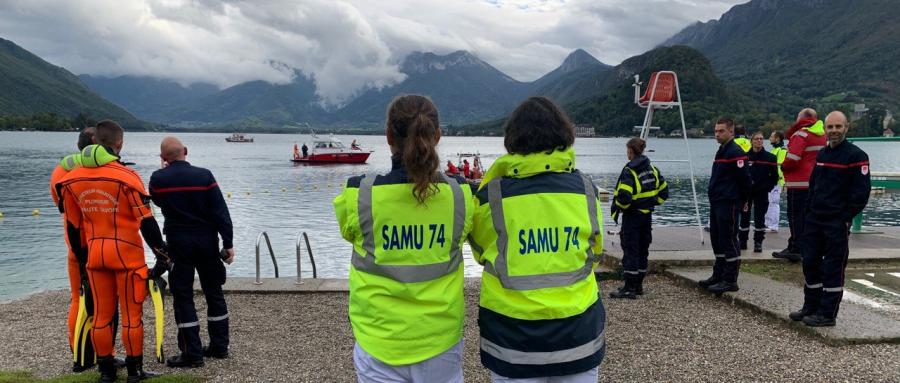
pixel 791 273
pixel 88 377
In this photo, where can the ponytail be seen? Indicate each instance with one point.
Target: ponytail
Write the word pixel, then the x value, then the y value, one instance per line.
pixel 413 120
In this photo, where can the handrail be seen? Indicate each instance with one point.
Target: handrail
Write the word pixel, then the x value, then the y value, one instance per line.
pixel 312 261
pixel 271 253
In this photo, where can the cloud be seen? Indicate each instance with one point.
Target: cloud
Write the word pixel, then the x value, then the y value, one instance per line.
pixel 345 46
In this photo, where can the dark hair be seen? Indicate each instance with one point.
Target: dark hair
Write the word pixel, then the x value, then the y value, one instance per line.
pixel 636 145
pixel 413 121
pixel 740 130
pixel 86 137
pixel 729 123
pixel 758 133
pixel 108 133
pixel 537 125
pixel 779 134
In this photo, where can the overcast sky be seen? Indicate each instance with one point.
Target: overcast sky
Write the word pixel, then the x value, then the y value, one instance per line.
pixel 344 45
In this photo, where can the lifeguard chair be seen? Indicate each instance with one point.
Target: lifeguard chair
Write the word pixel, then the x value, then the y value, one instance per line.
pixel 663 93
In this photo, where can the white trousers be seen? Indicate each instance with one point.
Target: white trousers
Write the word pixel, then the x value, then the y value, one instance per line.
pixel 589 376
pixel 774 213
pixel 446 367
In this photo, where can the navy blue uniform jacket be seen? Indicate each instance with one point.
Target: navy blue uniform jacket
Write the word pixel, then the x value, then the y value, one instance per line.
pixel 191 201
pixel 840 183
pixel 730 178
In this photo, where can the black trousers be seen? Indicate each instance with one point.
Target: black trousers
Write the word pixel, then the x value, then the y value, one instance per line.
pixel 796 214
pixel 636 236
pixel 825 248
pixel 758 206
pixel 723 234
pixel 200 252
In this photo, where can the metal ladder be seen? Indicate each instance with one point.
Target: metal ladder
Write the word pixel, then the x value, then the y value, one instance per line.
pixel 301 234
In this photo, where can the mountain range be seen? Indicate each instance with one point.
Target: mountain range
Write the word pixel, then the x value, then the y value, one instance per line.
pixel 798 52
pixel 31 86
pixel 761 60
pixel 465 88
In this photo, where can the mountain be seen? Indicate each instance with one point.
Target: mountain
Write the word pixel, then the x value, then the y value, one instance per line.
pixel 574 80
pixel 255 103
pixel 31 86
pixel 802 52
pixel 705 96
pixel 464 88
pixel 147 97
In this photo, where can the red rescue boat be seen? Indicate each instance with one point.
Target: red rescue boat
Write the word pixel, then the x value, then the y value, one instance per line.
pixel 332 150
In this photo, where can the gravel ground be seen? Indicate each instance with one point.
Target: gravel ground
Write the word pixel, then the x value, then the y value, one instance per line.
pixel 674 333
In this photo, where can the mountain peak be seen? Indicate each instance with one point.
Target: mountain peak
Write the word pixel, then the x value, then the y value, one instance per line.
pixel 424 62
pixel 579 59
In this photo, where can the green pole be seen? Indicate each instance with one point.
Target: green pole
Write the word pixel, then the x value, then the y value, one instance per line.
pixel 856 227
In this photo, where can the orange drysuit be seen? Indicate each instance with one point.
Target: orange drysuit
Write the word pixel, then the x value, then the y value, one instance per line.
pixel 107 204
pixel 74 273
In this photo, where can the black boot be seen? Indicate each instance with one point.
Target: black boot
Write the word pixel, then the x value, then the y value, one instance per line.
pixel 136 373
pixel 183 360
pixel 818 321
pixel 757 247
pixel 213 353
pixel 624 292
pixel 707 282
pixel 107 367
pixel 799 314
pixel 722 287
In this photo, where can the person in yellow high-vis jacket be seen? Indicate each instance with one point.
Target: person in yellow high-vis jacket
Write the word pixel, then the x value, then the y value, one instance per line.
pixel 407 228
pixel 773 214
pixel 537 231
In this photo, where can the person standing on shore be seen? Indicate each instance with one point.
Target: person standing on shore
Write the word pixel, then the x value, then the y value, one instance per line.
pixel 407 228
pixel 107 212
pixel 839 189
pixel 807 137
pixel 84 357
pixel 729 188
pixel 196 215
pixel 764 174
pixel 773 214
pixel 639 190
pixel 540 315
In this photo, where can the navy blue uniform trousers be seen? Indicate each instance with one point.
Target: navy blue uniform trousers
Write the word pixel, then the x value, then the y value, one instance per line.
pixel 723 233
pixel 796 214
pixel 198 251
pixel 759 206
pixel 636 236
pixel 825 248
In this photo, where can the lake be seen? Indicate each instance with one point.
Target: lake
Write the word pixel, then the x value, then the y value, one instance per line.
pixel 269 193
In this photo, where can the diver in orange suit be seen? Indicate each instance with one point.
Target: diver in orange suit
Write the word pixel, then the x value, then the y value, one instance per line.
pixel 105 203
pixel 85 138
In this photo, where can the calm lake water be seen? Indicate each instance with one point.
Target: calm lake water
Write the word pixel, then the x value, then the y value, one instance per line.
pixel 269 193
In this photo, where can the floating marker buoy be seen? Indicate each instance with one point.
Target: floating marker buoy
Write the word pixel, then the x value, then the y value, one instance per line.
pixel 248 193
pixel 228 195
pixel 35 212
pixel 283 190
pixel 316 187
pixel 1 214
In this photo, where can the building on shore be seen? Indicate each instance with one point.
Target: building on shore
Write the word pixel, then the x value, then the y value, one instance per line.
pixel 584 130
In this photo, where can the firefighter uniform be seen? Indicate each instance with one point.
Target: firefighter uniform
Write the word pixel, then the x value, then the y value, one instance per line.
pixel 729 187
pixel 196 214
pixel 540 312
pixel 639 190
pixel 764 174
pixel 839 190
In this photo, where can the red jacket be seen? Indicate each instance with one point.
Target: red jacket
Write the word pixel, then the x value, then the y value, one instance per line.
pixel 803 147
